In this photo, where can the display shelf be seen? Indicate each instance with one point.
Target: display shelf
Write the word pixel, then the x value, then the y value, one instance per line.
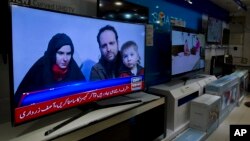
pixel 202 80
pixel 84 126
pixel 191 135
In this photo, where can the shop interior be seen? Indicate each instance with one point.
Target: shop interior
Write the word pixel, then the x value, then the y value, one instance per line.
pixel 190 80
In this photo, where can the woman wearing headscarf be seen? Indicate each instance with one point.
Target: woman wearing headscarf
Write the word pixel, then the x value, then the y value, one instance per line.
pixel 56 66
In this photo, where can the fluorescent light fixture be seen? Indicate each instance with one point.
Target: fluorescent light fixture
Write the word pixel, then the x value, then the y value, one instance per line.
pixel 127 16
pixel 241 4
pixel 142 17
pixel 189 1
pixel 118 3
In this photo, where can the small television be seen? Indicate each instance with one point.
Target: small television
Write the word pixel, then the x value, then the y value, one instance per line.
pixel 226 36
pixel 186 51
pixel 122 11
pixel 217 65
pixel 214 30
pixel 39 35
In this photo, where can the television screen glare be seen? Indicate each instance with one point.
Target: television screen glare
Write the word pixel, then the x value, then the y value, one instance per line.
pixel 186 52
pixel 214 30
pixel 37 34
pixel 122 11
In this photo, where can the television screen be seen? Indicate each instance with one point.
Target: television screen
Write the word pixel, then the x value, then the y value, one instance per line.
pixel 61 60
pixel 217 65
pixel 214 30
pixel 202 40
pixel 122 11
pixel 158 60
pixel 186 52
pixel 226 36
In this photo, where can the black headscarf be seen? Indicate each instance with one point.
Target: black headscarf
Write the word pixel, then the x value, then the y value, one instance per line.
pixel 56 42
pixel 40 75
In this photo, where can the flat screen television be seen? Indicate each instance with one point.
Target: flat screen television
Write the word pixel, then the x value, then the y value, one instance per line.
pixel 157 70
pixel 226 36
pixel 214 30
pixel 186 51
pixel 122 11
pixel 52 57
pixel 217 65
pixel 158 60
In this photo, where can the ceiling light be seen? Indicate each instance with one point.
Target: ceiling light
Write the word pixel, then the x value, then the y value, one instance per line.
pixel 241 4
pixel 118 3
pixel 127 16
pixel 142 17
pixel 189 1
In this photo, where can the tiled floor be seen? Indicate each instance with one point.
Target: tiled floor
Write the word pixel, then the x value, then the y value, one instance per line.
pixel 239 115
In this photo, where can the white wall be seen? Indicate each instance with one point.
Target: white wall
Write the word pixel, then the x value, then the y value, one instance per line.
pixel 246 41
pixel 236 39
pixel 239 38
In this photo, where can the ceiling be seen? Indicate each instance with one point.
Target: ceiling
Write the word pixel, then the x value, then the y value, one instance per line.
pixel 233 8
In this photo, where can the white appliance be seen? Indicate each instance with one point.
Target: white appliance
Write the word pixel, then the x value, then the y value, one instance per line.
pixel 178 104
pixel 202 80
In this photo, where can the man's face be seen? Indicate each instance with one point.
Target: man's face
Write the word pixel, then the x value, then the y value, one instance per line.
pixel 108 45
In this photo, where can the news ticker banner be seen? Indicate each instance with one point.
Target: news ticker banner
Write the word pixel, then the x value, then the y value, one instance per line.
pixel 240 132
pixel 32 111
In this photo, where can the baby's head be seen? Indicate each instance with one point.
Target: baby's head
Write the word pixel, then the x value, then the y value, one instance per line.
pixel 130 56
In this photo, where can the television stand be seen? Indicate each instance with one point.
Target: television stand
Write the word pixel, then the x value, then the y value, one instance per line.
pixel 195 77
pixel 185 79
pixel 116 101
pixel 123 123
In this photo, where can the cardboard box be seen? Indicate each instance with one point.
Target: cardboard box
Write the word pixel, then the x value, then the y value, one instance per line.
pixel 204 112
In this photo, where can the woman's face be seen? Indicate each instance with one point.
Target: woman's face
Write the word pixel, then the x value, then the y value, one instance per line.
pixel 63 56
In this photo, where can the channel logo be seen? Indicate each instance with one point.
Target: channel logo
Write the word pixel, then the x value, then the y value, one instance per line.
pixel 239 132
pixel 136 83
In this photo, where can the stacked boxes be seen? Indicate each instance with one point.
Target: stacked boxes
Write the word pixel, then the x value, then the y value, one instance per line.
pixel 227 88
pixel 243 78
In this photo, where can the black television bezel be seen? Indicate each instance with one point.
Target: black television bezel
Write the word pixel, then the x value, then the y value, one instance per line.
pixel 10 58
pixel 119 10
pixel 187 30
pixel 4 50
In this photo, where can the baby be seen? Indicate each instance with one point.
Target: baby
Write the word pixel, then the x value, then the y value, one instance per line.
pixel 131 60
